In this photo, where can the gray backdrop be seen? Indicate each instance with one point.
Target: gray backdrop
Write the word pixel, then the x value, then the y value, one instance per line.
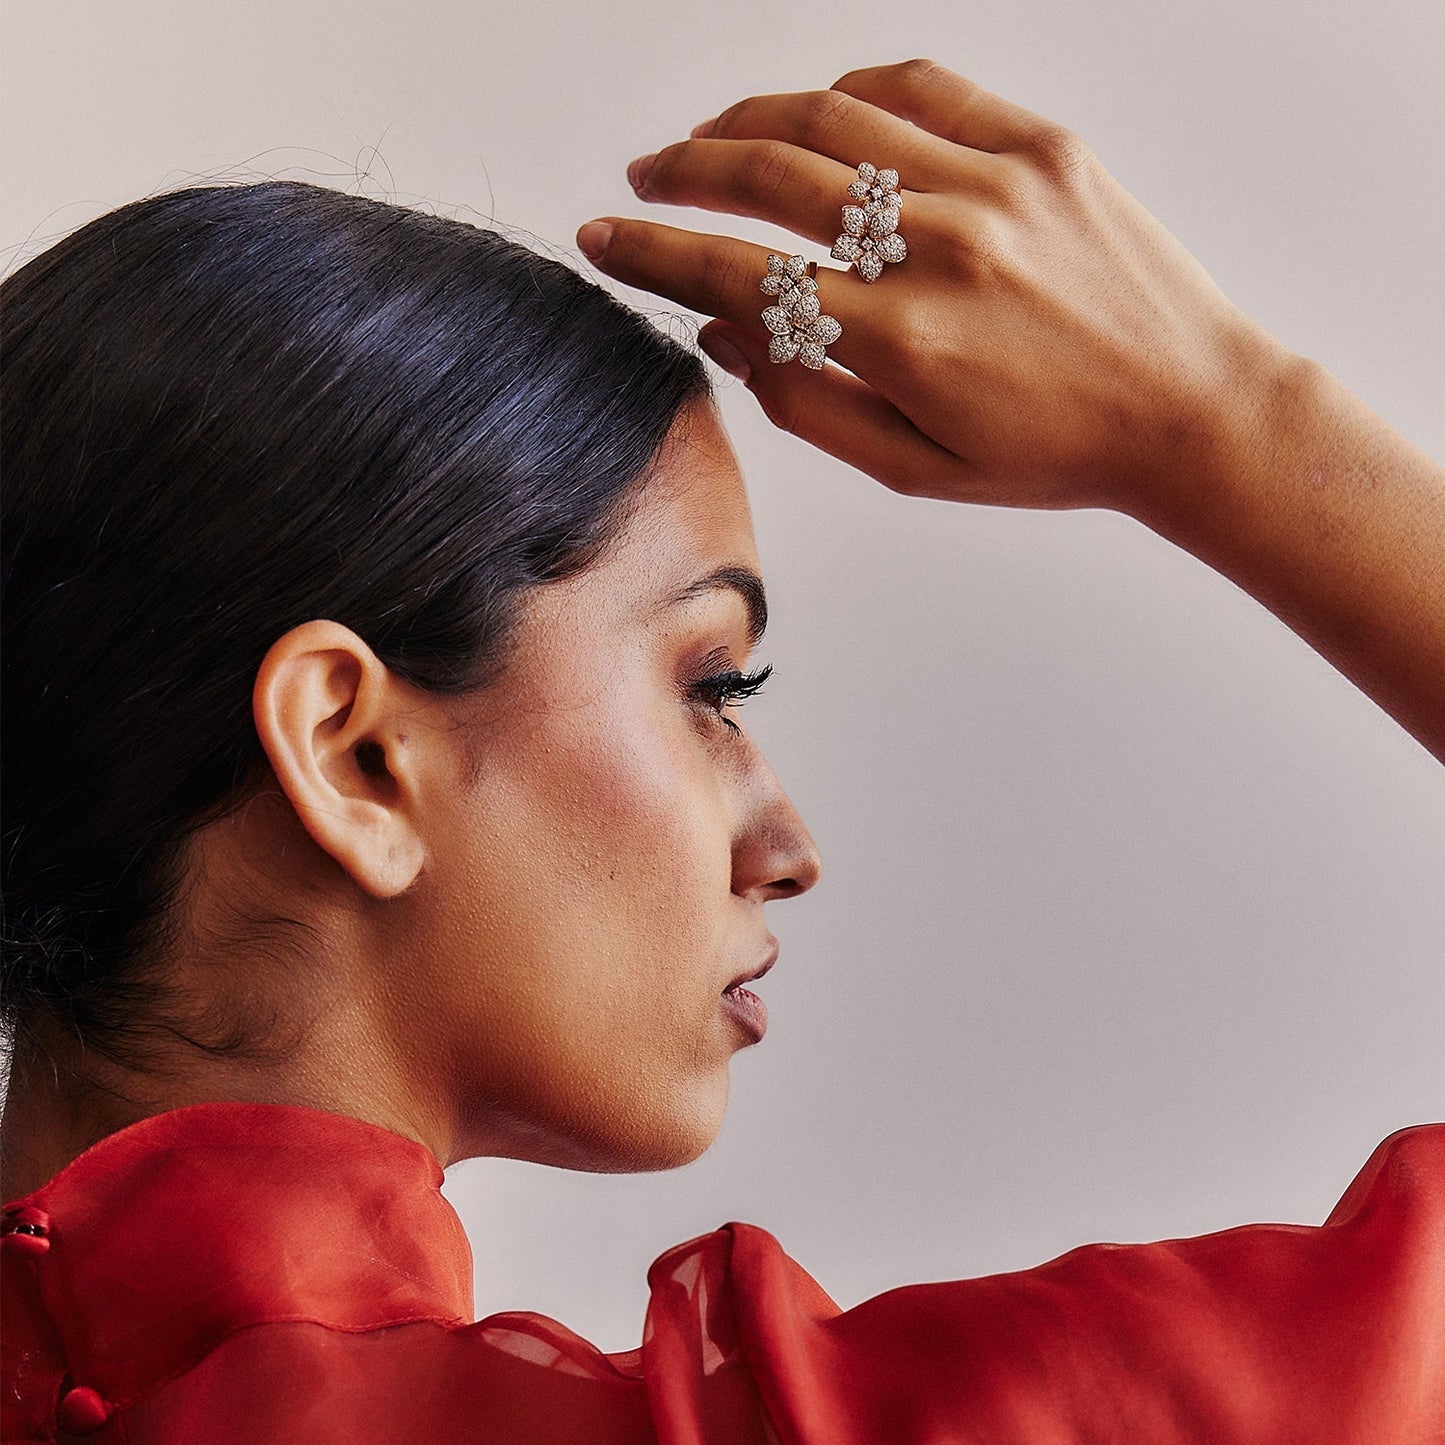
pixel 1133 912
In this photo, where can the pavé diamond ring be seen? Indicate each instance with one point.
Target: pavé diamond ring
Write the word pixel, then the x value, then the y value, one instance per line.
pixel 870 230
pixel 798 328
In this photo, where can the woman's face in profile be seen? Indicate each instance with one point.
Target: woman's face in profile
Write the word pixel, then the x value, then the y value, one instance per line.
pixel 600 880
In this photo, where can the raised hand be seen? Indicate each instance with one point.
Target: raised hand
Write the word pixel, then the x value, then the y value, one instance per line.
pixel 1045 342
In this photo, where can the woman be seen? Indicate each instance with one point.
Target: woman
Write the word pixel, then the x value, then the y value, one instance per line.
pixel 378 595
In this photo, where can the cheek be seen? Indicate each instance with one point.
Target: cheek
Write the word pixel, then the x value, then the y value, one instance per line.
pixel 591 927
pixel 596 901
pixel 646 844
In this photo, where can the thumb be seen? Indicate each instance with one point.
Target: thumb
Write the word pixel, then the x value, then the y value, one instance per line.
pixel 837 412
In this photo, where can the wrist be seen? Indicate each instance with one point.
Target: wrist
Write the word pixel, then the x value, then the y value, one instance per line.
pixel 1230 440
pixel 1304 498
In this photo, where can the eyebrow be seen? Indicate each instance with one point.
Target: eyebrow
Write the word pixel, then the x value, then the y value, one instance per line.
pixel 742 580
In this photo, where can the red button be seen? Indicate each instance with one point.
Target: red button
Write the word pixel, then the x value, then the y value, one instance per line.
pixel 82 1411
pixel 25 1230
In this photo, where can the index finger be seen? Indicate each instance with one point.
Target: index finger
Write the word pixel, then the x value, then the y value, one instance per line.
pixel 715 275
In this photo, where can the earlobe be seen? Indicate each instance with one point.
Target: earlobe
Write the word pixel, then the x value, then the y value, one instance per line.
pixel 327 712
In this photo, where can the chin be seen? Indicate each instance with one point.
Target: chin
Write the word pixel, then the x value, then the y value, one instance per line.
pixel 663 1134
pixel 670 1144
pixel 672 1152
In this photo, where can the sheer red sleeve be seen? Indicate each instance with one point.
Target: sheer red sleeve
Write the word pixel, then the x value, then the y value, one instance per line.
pixel 1266 1333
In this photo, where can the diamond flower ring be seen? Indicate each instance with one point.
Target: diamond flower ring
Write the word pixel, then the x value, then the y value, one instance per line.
pixel 870 231
pixel 796 323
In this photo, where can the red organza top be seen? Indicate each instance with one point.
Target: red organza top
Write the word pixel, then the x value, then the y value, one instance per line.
pixel 241 1273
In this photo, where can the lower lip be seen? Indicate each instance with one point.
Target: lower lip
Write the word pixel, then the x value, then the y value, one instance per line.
pixel 748 1011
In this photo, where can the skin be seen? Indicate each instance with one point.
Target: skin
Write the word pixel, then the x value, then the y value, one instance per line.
pixel 519 910
pixel 1047 343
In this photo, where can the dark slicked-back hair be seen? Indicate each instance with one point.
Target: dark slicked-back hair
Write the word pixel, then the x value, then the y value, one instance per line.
pixel 228 410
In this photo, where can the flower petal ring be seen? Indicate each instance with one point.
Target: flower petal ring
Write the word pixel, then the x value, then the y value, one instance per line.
pixel 870 230
pixel 799 328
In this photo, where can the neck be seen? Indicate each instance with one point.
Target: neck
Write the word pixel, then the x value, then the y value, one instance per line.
pixel 62 1097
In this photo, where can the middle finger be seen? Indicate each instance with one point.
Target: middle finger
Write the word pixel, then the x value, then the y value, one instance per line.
pixel 769 180
pixel 790 158
pixel 834 123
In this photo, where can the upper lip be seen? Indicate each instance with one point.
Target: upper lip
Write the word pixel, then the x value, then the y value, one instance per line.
pixel 768 961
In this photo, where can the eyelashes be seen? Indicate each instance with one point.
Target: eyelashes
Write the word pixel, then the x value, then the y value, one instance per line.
pixel 723 689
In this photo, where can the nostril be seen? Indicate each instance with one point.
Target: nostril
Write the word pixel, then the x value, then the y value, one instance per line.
pixel 792 887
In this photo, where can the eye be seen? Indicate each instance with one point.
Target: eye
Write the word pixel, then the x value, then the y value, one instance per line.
pixel 719 690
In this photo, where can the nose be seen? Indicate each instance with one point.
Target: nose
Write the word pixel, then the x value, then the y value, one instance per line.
pixel 774 855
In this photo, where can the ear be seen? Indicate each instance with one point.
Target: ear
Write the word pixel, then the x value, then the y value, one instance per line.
pixel 331 718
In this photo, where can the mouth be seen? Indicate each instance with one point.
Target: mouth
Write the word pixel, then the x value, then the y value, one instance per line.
pixel 769 960
pixel 747 1010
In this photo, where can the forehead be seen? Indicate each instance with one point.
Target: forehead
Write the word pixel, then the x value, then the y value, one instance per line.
pixel 689 521
pixel 692 512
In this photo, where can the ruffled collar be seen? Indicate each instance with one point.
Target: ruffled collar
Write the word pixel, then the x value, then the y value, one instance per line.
pixel 172 1233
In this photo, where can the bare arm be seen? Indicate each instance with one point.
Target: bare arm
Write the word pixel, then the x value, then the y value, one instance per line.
pixel 1336 523
pixel 1047 343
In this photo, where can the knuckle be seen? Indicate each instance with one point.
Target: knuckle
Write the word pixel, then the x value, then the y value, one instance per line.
pixel 1057 150
pixel 734 118
pixel 823 113
pixel 665 170
pixel 927 80
pixel 980 245
pixel 771 171
pixel 906 76
pixel 726 277
pixel 920 71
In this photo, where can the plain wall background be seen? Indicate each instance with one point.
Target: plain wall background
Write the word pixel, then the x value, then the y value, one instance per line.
pixel 1133 922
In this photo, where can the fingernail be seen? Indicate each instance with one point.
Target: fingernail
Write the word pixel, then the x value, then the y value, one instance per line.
pixel 698 132
pixel 639 170
pixel 594 238
pixel 725 354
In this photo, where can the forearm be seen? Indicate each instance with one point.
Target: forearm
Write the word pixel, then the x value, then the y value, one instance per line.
pixel 1319 510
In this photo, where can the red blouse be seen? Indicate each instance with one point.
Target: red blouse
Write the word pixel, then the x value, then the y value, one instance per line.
pixel 229 1273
